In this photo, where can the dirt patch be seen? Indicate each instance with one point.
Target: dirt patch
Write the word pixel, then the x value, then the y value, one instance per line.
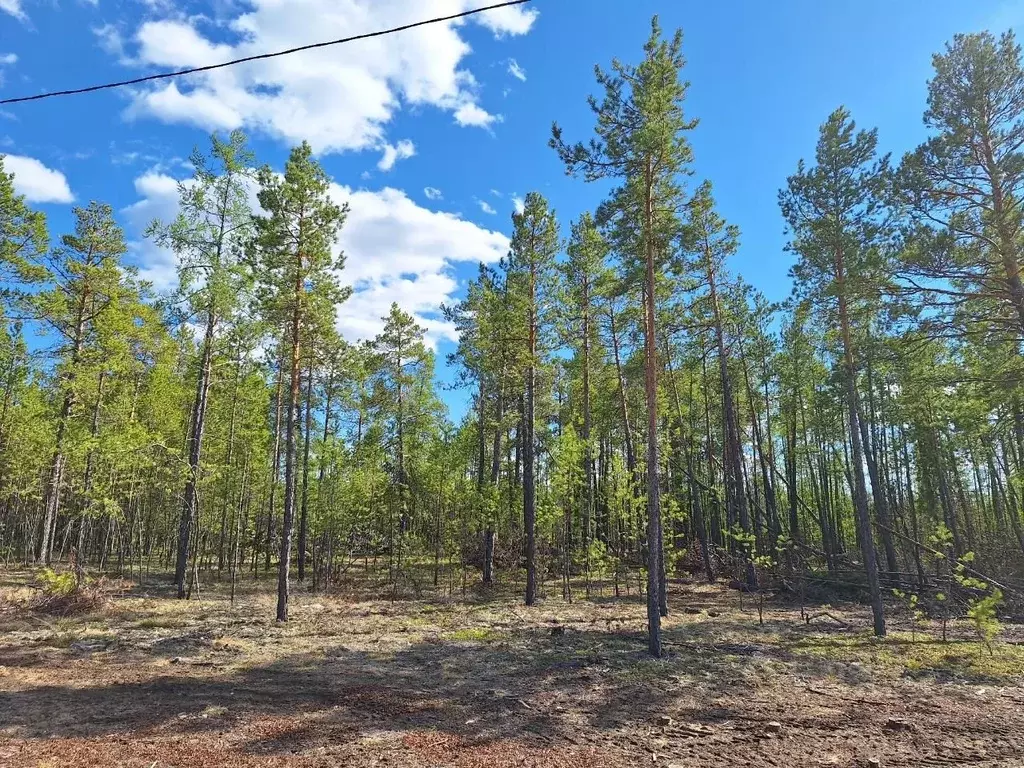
pixel 157 683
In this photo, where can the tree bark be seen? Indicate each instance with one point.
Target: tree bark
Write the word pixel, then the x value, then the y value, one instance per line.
pixel 304 512
pixel 293 416
pixel 529 461
pixel 190 505
pixel 654 599
pixel 56 478
pixel 860 499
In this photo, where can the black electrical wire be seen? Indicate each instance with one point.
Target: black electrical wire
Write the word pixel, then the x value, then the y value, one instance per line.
pixel 260 57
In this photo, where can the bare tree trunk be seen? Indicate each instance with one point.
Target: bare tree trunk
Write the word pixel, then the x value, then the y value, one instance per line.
pixel 735 496
pixel 304 513
pixel 55 482
pixel 94 429
pixel 529 460
pixel 860 498
pixel 275 470
pixel 588 450
pixel 654 554
pixel 293 415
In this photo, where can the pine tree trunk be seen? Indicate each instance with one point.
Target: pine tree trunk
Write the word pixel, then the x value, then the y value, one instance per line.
pixel 190 505
pixel 627 431
pixel 229 454
pixel 654 554
pixel 588 449
pixel 529 462
pixel 495 474
pixel 481 472
pixel 293 415
pixel 733 469
pixel 94 428
pixel 307 432
pixel 55 482
pixel 276 468
pixel 860 499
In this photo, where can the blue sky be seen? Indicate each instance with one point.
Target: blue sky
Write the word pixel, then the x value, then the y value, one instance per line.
pixel 432 135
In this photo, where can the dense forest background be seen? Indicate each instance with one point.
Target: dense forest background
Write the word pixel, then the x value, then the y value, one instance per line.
pixel 638 410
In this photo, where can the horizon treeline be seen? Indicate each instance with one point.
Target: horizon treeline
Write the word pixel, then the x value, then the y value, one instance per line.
pixel 637 409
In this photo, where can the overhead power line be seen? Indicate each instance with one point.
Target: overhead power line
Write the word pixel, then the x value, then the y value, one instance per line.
pixel 260 57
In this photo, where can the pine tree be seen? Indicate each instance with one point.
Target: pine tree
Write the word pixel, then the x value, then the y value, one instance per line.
pixel 967 179
pixel 641 140
pixel 400 362
pixel 298 274
pixel 583 269
pixel 711 241
pixel 213 223
pixel 531 268
pixel 23 239
pixel 836 221
pixel 83 279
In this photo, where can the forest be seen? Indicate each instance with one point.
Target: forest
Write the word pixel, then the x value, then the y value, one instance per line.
pixel 639 415
pixel 637 409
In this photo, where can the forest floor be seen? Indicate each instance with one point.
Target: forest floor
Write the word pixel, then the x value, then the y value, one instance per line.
pixel 153 682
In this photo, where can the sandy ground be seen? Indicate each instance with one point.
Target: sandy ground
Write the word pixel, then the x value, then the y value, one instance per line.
pixel 484 681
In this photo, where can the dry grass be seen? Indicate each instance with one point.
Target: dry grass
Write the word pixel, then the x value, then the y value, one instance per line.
pixel 153 682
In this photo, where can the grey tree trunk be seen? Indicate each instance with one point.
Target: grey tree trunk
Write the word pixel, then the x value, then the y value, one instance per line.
pixel 860 496
pixel 654 565
pixel 529 462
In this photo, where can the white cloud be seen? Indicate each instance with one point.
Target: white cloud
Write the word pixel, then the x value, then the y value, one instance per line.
pixel 110 41
pixel 6 60
pixel 518 203
pixel 36 182
pixel 393 153
pixel 395 251
pixel 339 98
pixel 398 251
pixel 472 115
pixel 433 193
pixel 509 21
pixel 159 201
pixel 516 71
pixel 485 206
pixel 13 7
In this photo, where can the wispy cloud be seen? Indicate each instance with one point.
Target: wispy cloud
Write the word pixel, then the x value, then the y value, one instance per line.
pixel 516 71
pixel 13 7
pixel 393 153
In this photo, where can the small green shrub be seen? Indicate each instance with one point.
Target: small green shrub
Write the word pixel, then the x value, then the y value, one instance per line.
pixel 57 584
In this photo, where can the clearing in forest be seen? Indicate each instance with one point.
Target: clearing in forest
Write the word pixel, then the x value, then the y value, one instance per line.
pixel 149 681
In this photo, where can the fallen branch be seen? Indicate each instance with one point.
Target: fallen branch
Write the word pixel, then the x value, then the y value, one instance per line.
pixel 953 561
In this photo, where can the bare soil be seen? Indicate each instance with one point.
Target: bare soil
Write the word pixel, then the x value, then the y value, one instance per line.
pixel 152 682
